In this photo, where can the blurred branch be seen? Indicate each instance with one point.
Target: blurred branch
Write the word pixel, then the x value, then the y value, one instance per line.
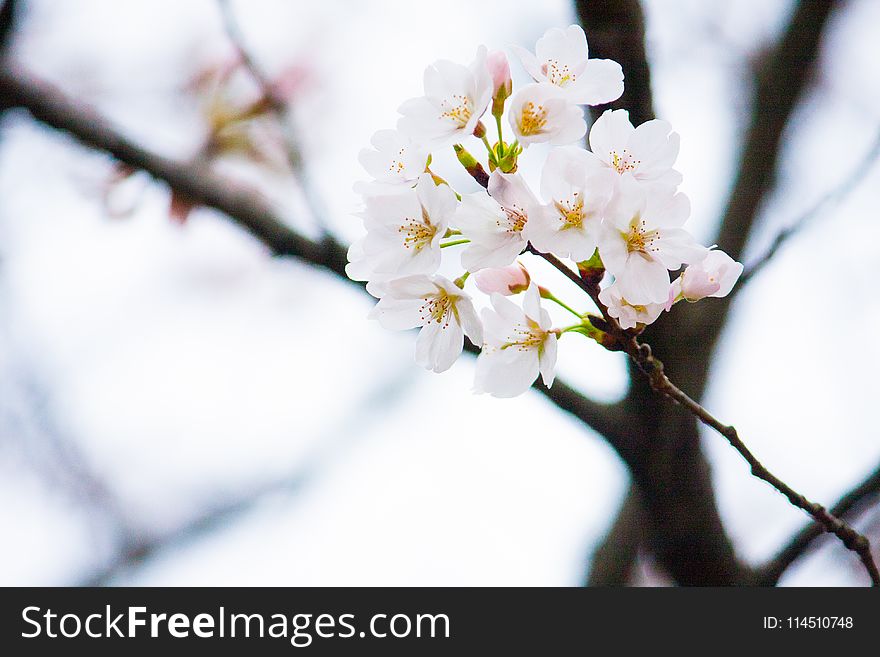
pixel 835 196
pixel 8 10
pixel 280 108
pixel 653 369
pixel 848 505
pixel 247 209
pixel 616 30
pixel 55 455
pixel 615 558
pixel 141 549
pixel 781 81
pixel 682 524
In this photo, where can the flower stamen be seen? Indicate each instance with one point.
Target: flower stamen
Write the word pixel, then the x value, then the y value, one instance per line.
pixel 533 119
pixel 417 234
pixel 458 110
pixel 571 211
pixel 623 162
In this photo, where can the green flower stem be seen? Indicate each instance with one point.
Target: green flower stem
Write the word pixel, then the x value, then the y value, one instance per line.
pixel 488 146
pixel 547 294
pixel 461 279
pixel 568 329
pixel 454 243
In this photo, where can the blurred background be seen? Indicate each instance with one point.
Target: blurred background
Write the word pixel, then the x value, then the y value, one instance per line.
pixel 179 407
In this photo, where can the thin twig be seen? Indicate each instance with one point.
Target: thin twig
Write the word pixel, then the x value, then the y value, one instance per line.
pixel 653 368
pixel 347 431
pixel 841 191
pixel 280 108
pixel 848 505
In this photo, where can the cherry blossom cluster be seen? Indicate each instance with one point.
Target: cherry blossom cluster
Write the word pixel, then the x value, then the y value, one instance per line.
pixel 614 209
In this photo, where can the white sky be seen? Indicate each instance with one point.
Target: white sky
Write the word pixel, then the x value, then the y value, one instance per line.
pixel 188 366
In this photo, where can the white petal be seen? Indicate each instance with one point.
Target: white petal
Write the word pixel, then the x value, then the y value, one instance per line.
pixel 547 359
pixel 497 252
pixel 397 315
pixel 412 287
pixel 600 82
pixel 469 320
pixel 610 133
pixel 506 373
pixel 572 126
pixel 644 281
pixel 666 210
pixel 532 302
pixel 656 146
pixel 508 311
pixel 677 247
pixel 529 62
pixel 612 248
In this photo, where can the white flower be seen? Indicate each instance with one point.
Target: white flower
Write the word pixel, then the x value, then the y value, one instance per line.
pixel 455 98
pixel 561 59
pixel 576 194
pixel 539 114
pixel 642 238
pixel 647 152
pixel 496 223
pixel 403 232
pixel 627 314
pixel 393 160
pixel 519 346
pixel 505 281
pixel 714 276
pixel 444 312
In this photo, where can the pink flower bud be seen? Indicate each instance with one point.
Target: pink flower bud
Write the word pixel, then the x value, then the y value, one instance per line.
pixel 502 86
pixel 512 279
pixel 499 69
pixel 713 277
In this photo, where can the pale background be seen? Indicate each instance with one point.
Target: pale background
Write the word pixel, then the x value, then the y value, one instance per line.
pixel 184 368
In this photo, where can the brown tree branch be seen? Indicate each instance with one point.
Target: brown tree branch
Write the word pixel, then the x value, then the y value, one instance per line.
pixel 616 556
pixel 834 196
pixel 245 208
pixel 292 145
pixel 687 341
pixel 780 84
pixel 641 354
pixel 8 10
pixel 616 30
pixel 683 526
pixel 849 505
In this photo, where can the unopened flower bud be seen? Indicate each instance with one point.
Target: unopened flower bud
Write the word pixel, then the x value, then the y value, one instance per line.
pixel 502 86
pixel 512 279
pixel 713 277
pixel 471 165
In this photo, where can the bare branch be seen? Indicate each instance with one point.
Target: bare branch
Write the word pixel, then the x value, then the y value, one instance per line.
pixel 652 368
pixel 140 549
pixel 248 209
pixel 849 505
pixel 8 10
pixel 616 30
pixel 836 195
pixel 780 83
pixel 280 108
